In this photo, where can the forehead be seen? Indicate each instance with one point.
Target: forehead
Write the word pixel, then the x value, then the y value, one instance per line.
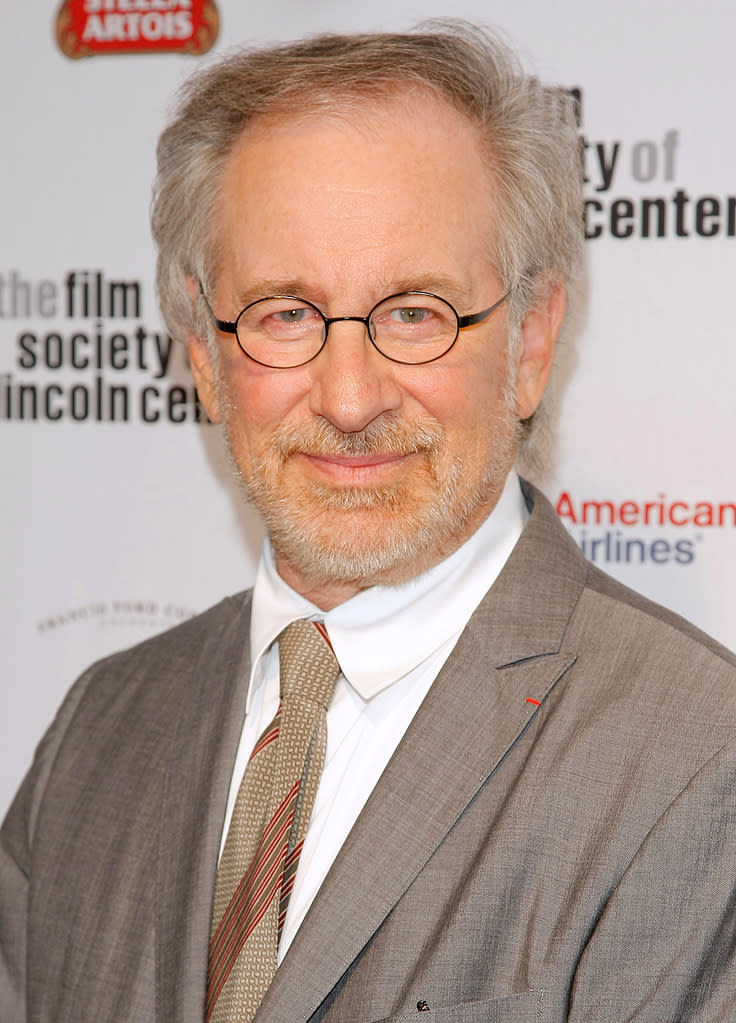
pixel 373 187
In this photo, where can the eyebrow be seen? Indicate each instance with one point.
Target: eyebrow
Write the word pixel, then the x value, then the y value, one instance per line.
pixel 434 282
pixel 267 287
pixel 438 284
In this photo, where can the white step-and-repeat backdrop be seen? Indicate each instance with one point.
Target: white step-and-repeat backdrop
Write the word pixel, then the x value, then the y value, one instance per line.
pixel 118 519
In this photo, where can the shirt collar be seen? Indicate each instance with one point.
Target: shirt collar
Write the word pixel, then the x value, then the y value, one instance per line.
pixel 383 633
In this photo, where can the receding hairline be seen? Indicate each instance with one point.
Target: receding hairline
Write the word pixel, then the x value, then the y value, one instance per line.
pixel 321 67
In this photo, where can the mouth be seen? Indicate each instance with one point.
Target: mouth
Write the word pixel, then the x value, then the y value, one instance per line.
pixel 375 469
pixel 380 456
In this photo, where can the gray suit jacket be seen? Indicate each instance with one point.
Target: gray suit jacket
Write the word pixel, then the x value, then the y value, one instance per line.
pixel 553 839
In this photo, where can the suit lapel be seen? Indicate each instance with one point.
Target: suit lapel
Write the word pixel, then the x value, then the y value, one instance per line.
pixel 203 748
pixel 503 667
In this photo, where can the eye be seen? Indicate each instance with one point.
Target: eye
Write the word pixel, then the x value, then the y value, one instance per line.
pixel 412 318
pixel 296 315
pixel 281 318
pixel 411 314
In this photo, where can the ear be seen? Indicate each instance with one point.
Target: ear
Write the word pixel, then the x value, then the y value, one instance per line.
pixel 200 363
pixel 203 372
pixel 539 330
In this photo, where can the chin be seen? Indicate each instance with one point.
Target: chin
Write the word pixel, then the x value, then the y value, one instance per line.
pixel 366 537
pixel 361 536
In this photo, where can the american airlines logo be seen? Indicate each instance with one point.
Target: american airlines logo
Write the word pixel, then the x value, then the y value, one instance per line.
pixel 658 531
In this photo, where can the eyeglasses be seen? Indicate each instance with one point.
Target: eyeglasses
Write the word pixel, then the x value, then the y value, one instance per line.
pixel 411 328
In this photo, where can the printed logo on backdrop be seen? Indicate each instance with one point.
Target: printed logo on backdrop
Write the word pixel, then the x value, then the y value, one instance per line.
pixel 632 189
pixel 659 530
pixel 81 353
pixel 88 28
pixel 145 614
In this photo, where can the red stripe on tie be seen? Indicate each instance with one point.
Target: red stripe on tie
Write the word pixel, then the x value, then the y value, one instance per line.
pixel 228 939
pixel 222 967
pixel 320 627
pixel 274 832
pixel 530 699
pixel 265 740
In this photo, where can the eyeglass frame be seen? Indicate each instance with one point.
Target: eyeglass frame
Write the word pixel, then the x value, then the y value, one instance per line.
pixel 231 326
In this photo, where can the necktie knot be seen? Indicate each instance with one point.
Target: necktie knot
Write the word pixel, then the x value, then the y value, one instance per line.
pixel 308 667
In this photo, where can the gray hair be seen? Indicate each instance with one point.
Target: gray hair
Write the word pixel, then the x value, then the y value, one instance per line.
pixel 528 131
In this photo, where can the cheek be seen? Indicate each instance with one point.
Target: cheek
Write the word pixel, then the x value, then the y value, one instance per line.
pixel 460 397
pixel 263 398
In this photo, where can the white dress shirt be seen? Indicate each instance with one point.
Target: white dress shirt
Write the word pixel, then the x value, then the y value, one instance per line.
pixel 390 643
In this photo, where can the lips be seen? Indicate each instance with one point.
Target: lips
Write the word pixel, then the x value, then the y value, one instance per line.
pixel 356 469
pixel 358 461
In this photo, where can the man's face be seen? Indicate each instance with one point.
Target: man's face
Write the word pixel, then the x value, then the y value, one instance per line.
pixel 366 471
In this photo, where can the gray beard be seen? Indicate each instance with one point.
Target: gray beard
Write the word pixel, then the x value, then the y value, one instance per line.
pixel 413 535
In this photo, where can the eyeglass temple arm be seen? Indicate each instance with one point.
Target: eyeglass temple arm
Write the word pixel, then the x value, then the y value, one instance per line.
pixel 468 321
pixel 228 326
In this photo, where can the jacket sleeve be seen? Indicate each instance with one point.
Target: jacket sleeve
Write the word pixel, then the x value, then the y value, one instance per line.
pixel 16 857
pixel 664 947
pixel 14 888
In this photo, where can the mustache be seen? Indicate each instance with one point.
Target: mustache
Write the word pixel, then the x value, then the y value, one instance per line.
pixel 388 434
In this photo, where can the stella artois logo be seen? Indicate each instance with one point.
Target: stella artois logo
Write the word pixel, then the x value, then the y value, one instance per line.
pixel 85 28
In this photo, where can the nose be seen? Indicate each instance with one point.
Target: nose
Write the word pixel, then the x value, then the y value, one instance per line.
pixel 352 383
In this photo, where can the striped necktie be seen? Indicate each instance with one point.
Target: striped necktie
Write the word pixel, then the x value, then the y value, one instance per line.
pixel 266 834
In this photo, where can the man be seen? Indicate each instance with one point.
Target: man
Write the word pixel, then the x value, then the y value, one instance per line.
pixel 527 806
